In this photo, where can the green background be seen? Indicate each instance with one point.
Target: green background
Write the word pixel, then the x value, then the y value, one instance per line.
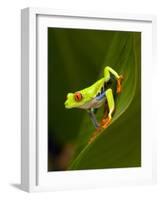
pixel 76 59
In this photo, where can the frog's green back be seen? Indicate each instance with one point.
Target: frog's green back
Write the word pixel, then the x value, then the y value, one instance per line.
pixel 94 88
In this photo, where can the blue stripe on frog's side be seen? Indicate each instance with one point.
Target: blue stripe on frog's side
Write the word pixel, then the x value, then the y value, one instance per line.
pixel 100 97
pixel 109 84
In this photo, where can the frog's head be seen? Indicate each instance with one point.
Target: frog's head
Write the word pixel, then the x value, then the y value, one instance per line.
pixel 74 100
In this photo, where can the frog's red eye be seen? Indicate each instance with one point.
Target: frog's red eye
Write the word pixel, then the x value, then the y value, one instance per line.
pixel 78 96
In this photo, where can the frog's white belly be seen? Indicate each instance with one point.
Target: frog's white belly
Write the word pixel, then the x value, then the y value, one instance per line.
pixel 94 103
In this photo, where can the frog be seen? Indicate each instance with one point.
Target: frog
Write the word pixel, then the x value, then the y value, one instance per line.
pixel 102 92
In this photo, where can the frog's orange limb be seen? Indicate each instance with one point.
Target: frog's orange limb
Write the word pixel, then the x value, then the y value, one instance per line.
pixel 105 122
pixel 119 86
pixel 111 106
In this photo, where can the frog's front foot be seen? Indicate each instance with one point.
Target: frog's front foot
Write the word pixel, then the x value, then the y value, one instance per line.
pixel 119 86
pixel 105 122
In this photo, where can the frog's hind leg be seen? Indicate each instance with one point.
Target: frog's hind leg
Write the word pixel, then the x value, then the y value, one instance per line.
pixel 96 125
pixel 106 110
pixel 93 118
pixel 111 106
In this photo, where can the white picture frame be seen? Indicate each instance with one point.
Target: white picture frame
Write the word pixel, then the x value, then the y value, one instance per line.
pixel 34 176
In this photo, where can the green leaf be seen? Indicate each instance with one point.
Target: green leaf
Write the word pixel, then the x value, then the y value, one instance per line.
pixel 76 59
pixel 120 144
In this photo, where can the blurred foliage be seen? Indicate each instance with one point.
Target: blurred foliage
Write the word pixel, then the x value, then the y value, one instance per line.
pixel 76 59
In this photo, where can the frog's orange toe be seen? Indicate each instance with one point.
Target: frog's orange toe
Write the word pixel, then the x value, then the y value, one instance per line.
pixel 119 89
pixel 105 122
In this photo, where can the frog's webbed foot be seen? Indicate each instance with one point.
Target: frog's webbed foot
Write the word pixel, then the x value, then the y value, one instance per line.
pixel 105 122
pixel 119 86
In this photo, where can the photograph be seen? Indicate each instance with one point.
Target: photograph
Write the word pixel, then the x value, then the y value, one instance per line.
pixel 94 99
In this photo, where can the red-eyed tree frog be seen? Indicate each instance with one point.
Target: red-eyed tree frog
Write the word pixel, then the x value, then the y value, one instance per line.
pixel 102 92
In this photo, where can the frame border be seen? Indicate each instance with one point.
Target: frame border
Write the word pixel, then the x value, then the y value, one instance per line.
pixel 29 174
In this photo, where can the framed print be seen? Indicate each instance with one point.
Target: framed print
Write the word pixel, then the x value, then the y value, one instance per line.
pixel 87 114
